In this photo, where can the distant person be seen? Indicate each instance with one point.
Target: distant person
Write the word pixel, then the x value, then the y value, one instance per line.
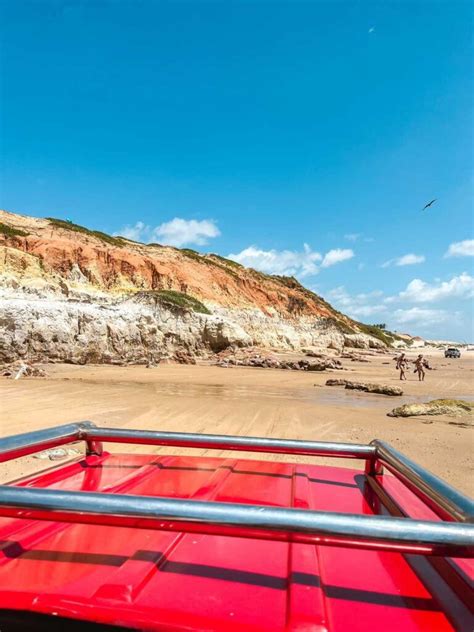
pixel 420 368
pixel 401 365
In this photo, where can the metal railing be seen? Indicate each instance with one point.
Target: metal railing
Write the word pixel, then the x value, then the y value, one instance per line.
pixel 454 538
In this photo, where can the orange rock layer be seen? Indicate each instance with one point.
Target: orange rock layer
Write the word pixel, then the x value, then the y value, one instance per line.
pixel 124 266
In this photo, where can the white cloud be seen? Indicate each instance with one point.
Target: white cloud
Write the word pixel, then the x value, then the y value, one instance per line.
pixel 177 232
pixel 352 236
pixel 418 315
pixel 135 233
pixel 357 305
pixel 409 260
pixel 405 260
pixel 461 249
pixel 288 262
pixel 367 310
pixel 336 256
pixel 418 291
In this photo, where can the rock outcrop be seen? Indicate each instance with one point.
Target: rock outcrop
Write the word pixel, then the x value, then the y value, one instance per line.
pixel 18 370
pixel 453 407
pixel 261 359
pixel 71 294
pixel 380 389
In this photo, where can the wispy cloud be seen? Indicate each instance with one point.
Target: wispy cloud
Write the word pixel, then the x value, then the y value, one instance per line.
pixel 336 256
pixel 135 232
pixel 357 237
pixel 418 291
pixel 420 316
pixel 177 232
pixel 352 236
pixel 357 305
pixel 302 263
pixel 461 249
pixel 288 262
pixel 405 260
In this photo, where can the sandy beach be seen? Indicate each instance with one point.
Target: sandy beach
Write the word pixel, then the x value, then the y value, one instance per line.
pixel 250 401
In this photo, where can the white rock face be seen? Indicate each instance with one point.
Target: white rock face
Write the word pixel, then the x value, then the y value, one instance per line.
pixel 79 332
pixel 35 326
pixel 363 341
pixel 278 333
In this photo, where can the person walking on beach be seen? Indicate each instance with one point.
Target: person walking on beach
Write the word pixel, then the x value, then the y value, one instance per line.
pixel 419 368
pixel 401 366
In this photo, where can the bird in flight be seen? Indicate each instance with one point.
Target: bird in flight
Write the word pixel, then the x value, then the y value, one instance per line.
pixel 429 204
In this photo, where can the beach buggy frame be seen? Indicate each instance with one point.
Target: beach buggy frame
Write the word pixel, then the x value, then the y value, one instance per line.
pixel 450 535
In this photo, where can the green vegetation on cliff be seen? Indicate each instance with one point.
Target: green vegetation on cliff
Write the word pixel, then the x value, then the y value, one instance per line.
pixel 182 300
pixel 9 231
pixel 227 262
pixel 61 223
pixel 388 337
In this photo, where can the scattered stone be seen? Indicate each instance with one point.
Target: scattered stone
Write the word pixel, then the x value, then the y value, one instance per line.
pixel 453 407
pixel 354 357
pixel 152 363
pixel 21 369
pixel 320 365
pixel 184 357
pixel 380 389
pixel 313 354
pixel 262 359
pixel 56 454
pixel 461 424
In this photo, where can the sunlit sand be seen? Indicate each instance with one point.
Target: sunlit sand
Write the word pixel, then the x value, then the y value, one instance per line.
pixel 246 401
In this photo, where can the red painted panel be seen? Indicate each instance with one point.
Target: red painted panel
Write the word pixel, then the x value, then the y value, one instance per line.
pixel 173 581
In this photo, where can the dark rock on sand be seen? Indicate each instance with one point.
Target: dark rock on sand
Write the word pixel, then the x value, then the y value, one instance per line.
pixel 454 407
pixel 380 389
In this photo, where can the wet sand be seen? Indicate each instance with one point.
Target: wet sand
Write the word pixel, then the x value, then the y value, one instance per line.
pixel 249 401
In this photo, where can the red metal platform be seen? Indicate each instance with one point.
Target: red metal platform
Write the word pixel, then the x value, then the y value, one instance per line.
pixel 152 579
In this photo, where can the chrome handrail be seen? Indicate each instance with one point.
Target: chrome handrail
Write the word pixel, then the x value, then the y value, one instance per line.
pixel 239 520
pixel 230 442
pixel 26 443
pixel 447 502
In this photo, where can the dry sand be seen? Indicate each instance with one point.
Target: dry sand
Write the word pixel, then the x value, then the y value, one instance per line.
pixel 248 401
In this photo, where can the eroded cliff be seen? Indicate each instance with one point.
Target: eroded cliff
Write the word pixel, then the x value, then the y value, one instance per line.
pixel 71 294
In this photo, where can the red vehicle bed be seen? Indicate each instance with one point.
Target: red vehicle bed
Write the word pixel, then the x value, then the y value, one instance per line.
pixel 175 543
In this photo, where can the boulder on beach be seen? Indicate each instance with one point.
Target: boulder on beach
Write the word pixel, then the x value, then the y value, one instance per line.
pixel 254 357
pixel 454 407
pixel 380 389
pixel 336 382
pixel 18 370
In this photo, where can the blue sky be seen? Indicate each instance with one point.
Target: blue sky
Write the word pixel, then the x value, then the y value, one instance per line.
pixel 300 138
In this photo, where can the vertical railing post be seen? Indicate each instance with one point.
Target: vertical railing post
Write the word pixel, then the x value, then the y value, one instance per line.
pixel 93 447
pixel 373 465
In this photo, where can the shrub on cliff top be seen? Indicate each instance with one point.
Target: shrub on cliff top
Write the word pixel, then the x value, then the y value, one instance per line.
pixel 9 231
pixel 385 336
pixel 192 254
pixel 61 223
pixel 211 260
pixel 227 262
pixel 182 300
